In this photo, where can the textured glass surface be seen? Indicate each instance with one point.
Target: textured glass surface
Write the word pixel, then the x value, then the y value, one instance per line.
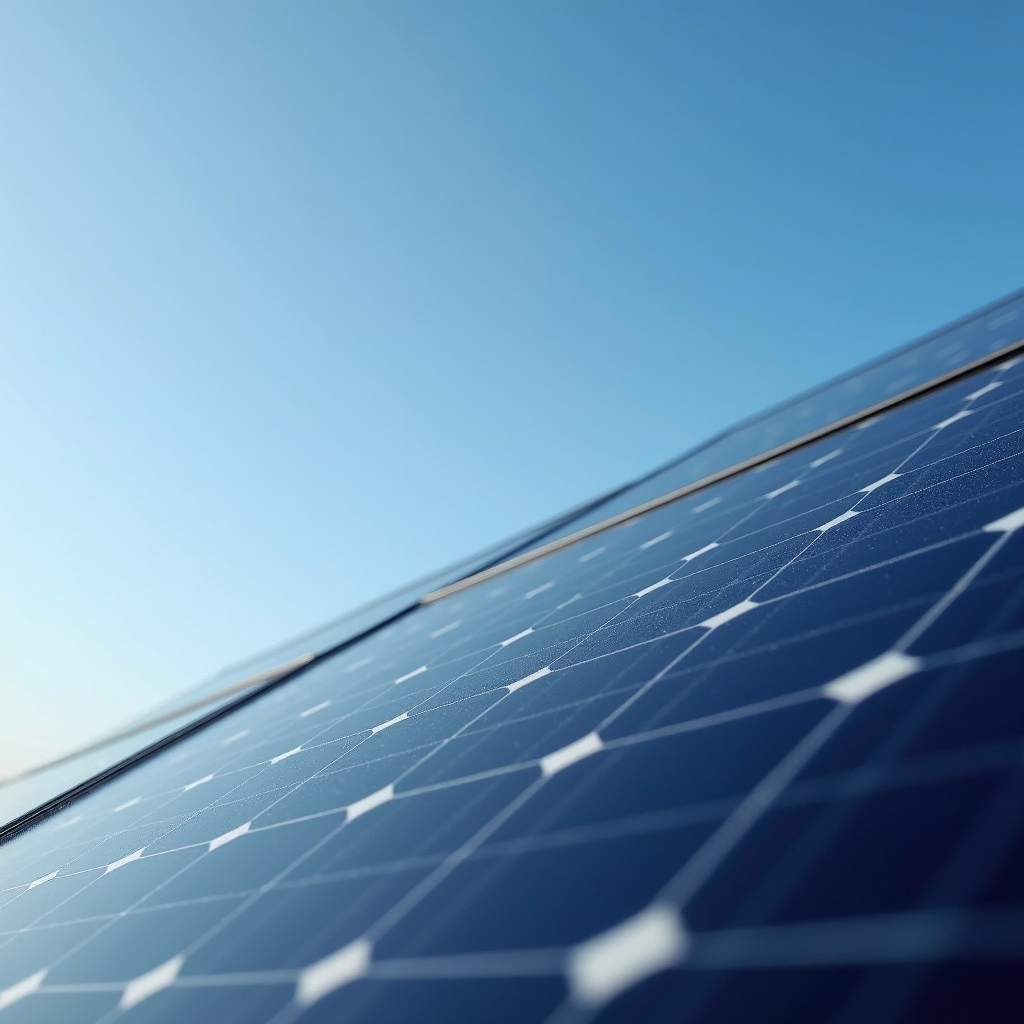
pixel 755 755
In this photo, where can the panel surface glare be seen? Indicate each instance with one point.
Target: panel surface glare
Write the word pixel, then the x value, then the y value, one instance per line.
pixel 754 754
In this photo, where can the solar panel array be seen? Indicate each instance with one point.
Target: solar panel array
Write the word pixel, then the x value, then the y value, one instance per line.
pixel 756 753
pixel 956 345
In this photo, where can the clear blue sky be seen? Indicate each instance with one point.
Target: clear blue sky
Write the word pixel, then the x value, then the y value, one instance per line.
pixel 299 301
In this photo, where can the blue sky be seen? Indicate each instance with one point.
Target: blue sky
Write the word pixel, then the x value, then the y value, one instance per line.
pixel 301 301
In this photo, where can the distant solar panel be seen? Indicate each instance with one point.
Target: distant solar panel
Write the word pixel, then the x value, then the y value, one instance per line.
pixel 753 754
pixel 957 345
pixel 21 796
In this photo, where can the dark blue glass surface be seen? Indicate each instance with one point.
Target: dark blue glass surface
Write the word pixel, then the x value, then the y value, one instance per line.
pixel 755 754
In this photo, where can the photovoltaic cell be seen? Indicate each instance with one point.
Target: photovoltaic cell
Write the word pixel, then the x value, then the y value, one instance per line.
pixel 754 754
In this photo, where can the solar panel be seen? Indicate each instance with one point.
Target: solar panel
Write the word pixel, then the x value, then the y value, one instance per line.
pixel 755 753
pixel 956 345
